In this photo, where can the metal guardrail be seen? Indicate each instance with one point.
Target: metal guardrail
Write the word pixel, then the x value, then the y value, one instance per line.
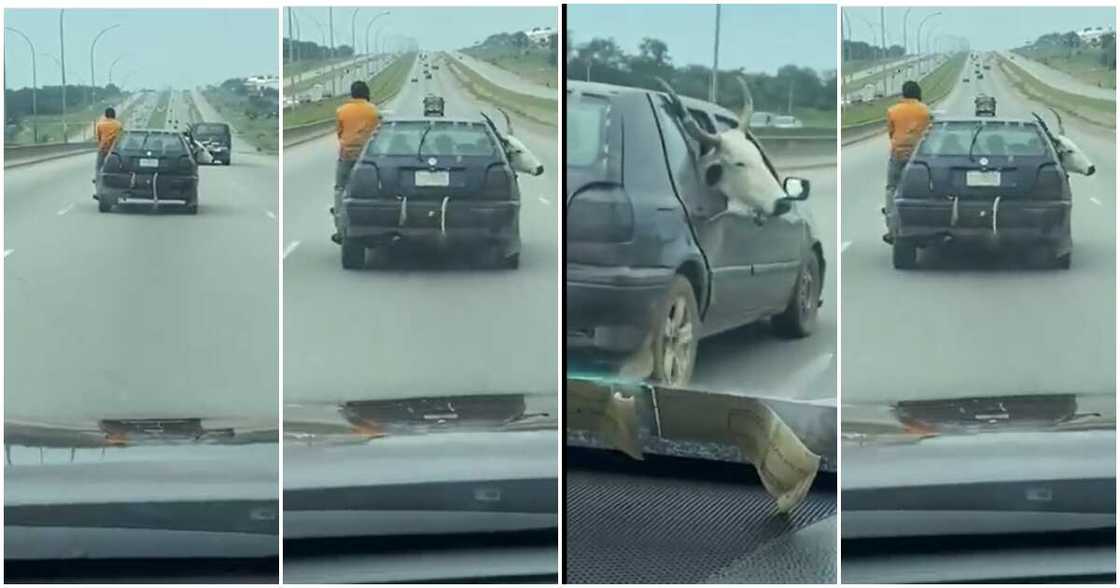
pixel 17 155
pixel 795 152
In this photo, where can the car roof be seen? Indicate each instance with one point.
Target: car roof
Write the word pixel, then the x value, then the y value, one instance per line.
pixel 153 131
pixel 424 119
pixel 613 89
pixel 986 120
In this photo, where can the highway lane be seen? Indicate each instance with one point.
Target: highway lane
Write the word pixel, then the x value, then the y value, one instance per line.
pixel 751 359
pixel 1060 79
pixel 141 314
pixel 504 78
pixel 977 324
pixel 425 327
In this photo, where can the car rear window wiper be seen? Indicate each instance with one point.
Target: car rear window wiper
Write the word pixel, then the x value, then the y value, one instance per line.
pixel 972 144
pixel 420 147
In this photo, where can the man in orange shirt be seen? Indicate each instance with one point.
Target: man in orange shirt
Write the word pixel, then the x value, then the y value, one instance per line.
pixel 906 122
pixel 355 122
pixel 106 131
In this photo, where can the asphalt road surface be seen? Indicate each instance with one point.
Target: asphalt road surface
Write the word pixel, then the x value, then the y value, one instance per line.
pixel 504 78
pixel 428 326
pixel 752 360
pixel 977 323
pixel 140 313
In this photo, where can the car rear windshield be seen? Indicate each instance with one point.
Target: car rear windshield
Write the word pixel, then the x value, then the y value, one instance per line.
pixel 160 144
pixel 585 127
pixel 441 139
pixel 996 139
pixel 210 130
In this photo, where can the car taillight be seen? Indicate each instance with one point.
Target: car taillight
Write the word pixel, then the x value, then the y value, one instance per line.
pixel 186 163
pixel 916 181
pixel 498 183
pixel 112 163
pixel 1049 183
pixel 602 215
pixel 365 181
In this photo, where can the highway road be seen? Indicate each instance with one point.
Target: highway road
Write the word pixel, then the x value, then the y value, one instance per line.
pixel 914 69
pixel 752 360
pixel 137 313
pixel 975 323
pixel 504 78
pixel 1060 79
pixel 428 326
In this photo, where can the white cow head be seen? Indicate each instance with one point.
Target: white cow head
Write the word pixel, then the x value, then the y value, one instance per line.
pixel 732 162
pixel 1072 157
pixel 520 157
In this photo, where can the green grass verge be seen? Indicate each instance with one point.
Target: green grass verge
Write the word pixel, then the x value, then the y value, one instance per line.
pixel 935 86
pixel 1083 64
pixel 50 125
pixel 158 118
pixel 382 88
pixel 535 65
pixel 259 127
pixel 542 110
pixel 1094 110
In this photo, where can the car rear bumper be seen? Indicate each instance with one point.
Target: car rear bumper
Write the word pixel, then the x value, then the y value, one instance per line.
pixel 451 224
pixel 610 309
pixel 126 187
pixel 1009 222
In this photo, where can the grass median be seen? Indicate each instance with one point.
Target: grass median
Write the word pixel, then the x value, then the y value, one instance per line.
pixel 935 87
pixel 50 125
pixel 1094 110
pixel 1086 64
pixel 542 110
pixel 535 65
pixel 158 118
pixel 382 88
pixel 256 121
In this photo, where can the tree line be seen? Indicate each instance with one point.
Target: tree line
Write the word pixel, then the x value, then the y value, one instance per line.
pixel 18 103
pixel 602 60
pixel 1071 43
pixel 858 50
pixel 310 50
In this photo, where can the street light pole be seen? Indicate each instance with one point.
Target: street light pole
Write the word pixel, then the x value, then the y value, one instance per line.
pixel 34 85
pixel 921 61
pixel 92 79
pixel 714 89
pixel 62 66
pixel 334 76
pixel 354 30
pixel 114 65
pixel 371 21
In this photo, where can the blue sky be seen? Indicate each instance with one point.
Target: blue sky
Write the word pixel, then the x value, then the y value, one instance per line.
pixel 434 28
pixel 760 38
pixel 179 48
pixel 985 28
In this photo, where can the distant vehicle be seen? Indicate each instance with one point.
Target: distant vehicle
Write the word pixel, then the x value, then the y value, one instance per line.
pixel 761 120
pixel 1000 182
pixel 787 122
pixel 979 76
pixel 965 80
pixel 986 66
pixel 451 184
pixel 150 166
pixel 655 252
pixel 433 105
pixel 985 105
pixel 414 80
pixel 427 76
pixel 215 137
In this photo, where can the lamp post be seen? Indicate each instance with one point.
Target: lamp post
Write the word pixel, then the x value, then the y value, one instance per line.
pixel 92 78
pixel 114 65
pixel 921 62
pixel 62 66
pixel 34 85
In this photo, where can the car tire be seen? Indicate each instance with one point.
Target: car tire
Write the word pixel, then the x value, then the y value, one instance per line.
pixel 800 316
pixel 904 255
pixel 1063 261
pixel 353 254
pixel 512 262
pixel 104 205
pixel 192 208
pixel 675 334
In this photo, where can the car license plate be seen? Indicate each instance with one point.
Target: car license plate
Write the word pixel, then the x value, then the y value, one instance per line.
pixel 433 178
pixel 982 178
pixel 145 162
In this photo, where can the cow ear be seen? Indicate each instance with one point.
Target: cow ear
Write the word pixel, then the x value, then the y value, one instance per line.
pixel 713 174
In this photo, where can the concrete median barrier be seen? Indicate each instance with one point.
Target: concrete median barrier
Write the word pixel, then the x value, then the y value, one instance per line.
pixel 800 152
pixel 18 155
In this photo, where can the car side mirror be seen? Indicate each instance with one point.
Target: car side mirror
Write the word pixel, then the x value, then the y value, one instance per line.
pixel 796 188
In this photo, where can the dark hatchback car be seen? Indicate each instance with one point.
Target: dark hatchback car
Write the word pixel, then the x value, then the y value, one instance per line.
pixel 433 105
pixel 653 255
pixel 215 137
pixel 445 183
pixel 985 181
pixel 149 167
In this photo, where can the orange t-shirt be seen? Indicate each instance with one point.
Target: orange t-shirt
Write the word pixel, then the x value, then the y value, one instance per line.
pixel 906 121
pixel 106 132
pixel 356 121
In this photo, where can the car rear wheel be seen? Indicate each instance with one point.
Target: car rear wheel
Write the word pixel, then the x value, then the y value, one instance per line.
pixel 800 316
pixel 904 255
pixel 676 331
pixel 512 262
pixel 353 254
pixel 104 204
pixel 1063 261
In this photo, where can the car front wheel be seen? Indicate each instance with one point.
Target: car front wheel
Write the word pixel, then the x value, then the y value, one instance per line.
pixel 676 334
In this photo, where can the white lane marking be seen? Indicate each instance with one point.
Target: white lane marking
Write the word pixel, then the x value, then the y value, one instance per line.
pixel 65 209
pixel 290 248
pixel 270 214
pixel 1095 201
pixel 844 245
pixel 8 252
pixel 543 200
pixel 806 376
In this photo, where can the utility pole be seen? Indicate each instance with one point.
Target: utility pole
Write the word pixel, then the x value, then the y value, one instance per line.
pixel 883 36
pixel 62 53
pixel 334 75
pixel 34 85
pixel 291 37
pixel 714 90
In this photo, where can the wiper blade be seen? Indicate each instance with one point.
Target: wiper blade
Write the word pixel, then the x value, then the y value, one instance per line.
pixel 972 144
pixel 420 147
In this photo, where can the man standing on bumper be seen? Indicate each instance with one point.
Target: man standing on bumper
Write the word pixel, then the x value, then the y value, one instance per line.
pixel 355 122
pixel 106 131
pixel 906 121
